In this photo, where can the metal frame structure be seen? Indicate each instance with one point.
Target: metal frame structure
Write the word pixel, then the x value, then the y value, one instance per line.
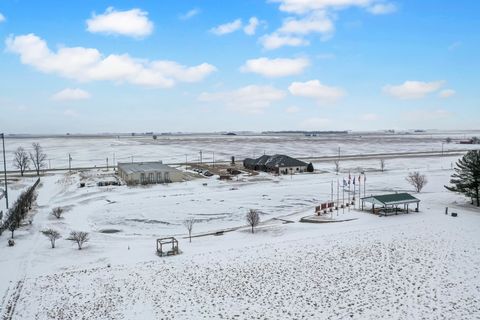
pixel 167 241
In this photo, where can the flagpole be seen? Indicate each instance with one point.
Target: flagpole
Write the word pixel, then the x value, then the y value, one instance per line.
pixel 338 196
pixel 349 182
pixel 331 199
pixel 343 197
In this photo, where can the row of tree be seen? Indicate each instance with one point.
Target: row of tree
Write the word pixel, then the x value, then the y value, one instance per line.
pixel 79 237
pixel 19 210
pixel 22 159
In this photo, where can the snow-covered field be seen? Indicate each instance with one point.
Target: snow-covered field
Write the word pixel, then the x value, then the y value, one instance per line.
pixel 94 151
pixel 415 266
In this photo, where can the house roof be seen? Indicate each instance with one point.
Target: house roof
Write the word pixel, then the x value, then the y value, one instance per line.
pixel 144 167
pixel 391 199
pixel 277 160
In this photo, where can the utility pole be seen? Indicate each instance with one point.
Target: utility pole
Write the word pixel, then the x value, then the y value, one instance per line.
pixel 114 160
pixel 5 169
pixel 107 163
pixel 213 157
pixel 186 162
pixel 69 163
pixel 200 156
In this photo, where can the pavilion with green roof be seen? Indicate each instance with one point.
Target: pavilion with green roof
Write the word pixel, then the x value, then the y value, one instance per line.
pixel 391 203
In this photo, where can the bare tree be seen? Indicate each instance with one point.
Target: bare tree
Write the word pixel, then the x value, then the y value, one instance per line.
pixel 21 160
pixel 382 164
pixel 337 166
pixel 79 237
pixel 417 180
pixel 253 218
pixel 448 140
pixel 52 235
pixel 57 212
pixel 189 223
pixel 38 157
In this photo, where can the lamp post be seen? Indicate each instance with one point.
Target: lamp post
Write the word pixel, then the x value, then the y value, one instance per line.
pixel 5 169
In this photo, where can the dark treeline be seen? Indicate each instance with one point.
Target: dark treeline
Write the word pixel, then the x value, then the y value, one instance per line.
pixel 19 209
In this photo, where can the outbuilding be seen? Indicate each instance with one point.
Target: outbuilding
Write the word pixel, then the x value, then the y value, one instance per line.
pixel 391 203
pixel 148 173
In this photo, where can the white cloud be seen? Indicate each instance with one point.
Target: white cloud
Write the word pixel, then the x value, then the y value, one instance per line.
pixel 413 89
pixel 382 8
pixel 2 18
pixel 315 123
pixel 304 6
pixel 447 93
pixel 317 22
pixel 315 90
pixel 249 99
pixel 87 64
pixel 252 25
pixel 292 109
pixel 315 16
pixel 275 41
pixel 71 94
pixel 370 117
pixel 227 28
pixel 275 67
pixel 132 23
pixel 70 113
pixel 190 14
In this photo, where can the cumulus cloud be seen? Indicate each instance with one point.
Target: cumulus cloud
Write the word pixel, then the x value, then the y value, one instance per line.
pixel 275 41
pixel 382 8
pixel 447 93
pixel 2 18
pixel 131 23
pixel 314 89
pixel 249 99
pixel 251 27
pixel 227 28
pixel 273 68
pixel 303 6
pixel 87 64
pixel 317 22
pixel 316 16
pixel 190 14
pixel 69 94
pixel 413 89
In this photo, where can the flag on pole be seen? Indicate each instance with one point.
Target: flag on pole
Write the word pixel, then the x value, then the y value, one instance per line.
pixel 344 182
pixel 353 181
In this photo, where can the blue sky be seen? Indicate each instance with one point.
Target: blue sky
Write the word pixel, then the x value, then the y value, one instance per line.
pixel 121 66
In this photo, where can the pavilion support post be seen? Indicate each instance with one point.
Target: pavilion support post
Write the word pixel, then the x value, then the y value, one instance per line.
pixel 418 203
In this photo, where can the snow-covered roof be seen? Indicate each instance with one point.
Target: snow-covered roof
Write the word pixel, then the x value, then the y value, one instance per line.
pixel 144 167
pixel 391 199
pixel 277 160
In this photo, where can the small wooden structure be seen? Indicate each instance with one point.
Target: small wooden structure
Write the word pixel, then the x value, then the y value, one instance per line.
pixel 389 203
pixel 167 246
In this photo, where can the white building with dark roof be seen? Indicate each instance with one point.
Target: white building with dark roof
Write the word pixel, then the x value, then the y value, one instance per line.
pixel 148 173
pixel 278 163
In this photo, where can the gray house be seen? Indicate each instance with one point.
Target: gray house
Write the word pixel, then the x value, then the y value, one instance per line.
pixel 148 173
pixel 278 163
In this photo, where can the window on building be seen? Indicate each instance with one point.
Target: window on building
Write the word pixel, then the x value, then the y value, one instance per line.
pixel 159 177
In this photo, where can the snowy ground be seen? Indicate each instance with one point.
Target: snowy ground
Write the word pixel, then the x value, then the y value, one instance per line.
pixel 94 151
pixel 420 265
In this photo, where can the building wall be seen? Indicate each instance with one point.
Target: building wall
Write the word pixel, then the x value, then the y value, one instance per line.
pixel 160 176
pixel 286 170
